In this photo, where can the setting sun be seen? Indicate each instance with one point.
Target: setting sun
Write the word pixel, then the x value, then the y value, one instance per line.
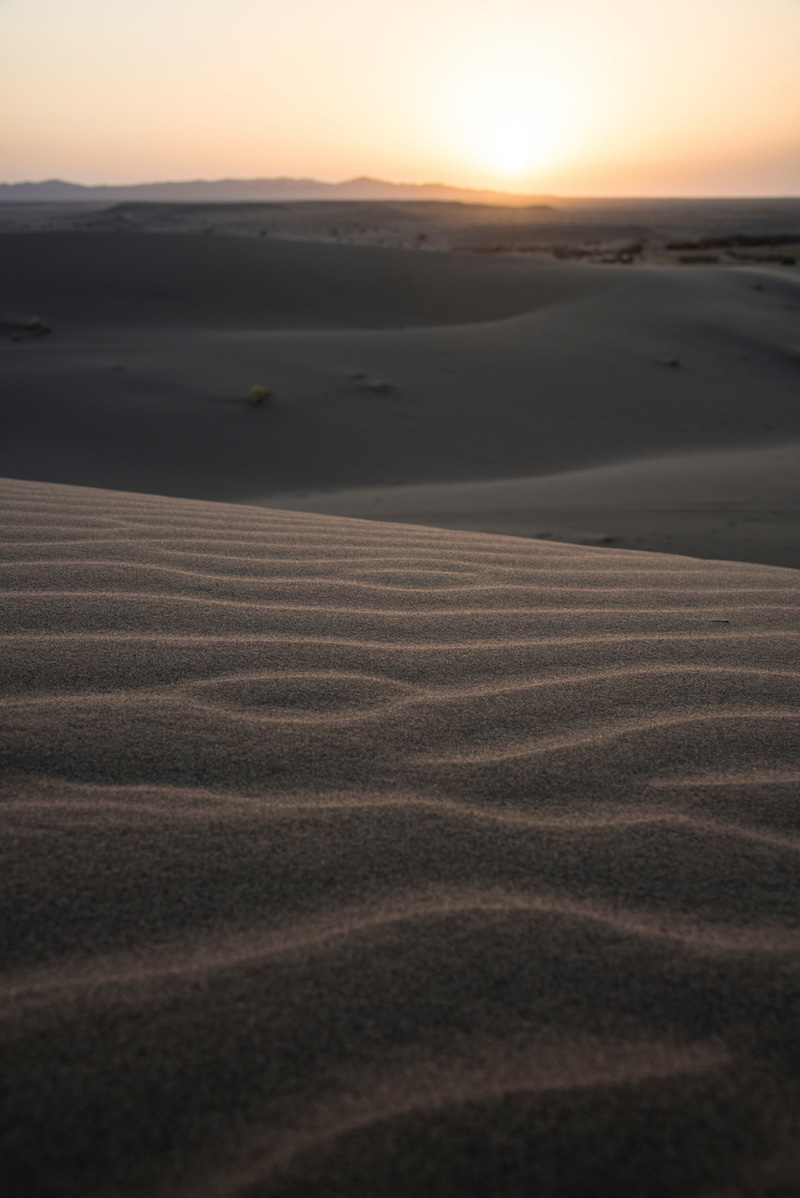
pixel 509 125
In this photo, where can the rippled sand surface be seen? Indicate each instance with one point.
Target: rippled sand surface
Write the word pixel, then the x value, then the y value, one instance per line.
pixel 345 858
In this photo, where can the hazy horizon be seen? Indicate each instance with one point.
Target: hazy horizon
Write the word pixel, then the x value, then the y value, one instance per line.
pixel 634 100
pixel 400 183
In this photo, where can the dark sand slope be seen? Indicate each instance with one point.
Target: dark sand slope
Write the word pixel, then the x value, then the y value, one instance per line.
pixel 735 504
pixel 387 366
pixel 354 859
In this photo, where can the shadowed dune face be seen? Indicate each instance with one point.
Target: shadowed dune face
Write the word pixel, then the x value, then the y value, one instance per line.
pixel 168 280
pixel 354 859
pixel 740 505
pixel 386 366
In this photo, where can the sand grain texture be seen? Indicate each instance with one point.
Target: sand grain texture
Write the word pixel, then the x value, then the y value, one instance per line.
pixel 346 858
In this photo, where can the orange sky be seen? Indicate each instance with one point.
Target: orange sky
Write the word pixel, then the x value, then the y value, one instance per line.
pixel 623 97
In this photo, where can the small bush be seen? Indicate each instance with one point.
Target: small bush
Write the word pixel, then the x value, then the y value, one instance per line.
pixel 258 397
pixel 566 252
pixel 35 327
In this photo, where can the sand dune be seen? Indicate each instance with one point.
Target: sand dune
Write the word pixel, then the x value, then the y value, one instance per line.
pixel 167 281
pixel 394 367
pixel 734 504
pixel 355 858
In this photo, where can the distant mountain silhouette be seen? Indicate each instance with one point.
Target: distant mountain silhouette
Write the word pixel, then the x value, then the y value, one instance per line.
pixel 248 190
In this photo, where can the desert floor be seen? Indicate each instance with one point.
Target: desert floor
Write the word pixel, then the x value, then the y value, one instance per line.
pixel 362 858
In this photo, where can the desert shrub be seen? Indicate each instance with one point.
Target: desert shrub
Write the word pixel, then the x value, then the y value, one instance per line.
pixel 736 240
pixel 35 327
pixel 258 396
pixel 566 252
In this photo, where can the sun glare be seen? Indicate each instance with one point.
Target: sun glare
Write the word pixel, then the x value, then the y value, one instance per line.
pixel 511 145
pixel 510 126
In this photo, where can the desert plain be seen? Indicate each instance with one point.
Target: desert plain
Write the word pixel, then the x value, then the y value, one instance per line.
pixel 401 761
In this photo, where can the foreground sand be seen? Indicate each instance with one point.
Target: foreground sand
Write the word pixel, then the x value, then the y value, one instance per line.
pixel 354 859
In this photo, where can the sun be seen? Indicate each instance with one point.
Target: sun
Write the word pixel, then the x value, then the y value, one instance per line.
pixel 509 123
pixel 510 144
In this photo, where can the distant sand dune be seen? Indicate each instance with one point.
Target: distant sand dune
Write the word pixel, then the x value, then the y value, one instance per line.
pixel 742 504
pixel 636 407
pixel 348 858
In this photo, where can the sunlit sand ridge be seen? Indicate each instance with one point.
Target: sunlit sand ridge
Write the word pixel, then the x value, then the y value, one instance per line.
pixel 356 858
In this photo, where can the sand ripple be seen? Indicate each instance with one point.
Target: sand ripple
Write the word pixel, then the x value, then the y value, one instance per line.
pixel 361 859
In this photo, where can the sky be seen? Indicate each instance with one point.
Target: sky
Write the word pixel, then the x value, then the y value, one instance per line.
pixel 570 97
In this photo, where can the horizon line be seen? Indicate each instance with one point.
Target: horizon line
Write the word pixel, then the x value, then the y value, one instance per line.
pixel 371 179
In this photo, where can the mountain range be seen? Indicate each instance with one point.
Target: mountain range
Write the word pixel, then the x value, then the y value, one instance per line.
pixel 264 190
